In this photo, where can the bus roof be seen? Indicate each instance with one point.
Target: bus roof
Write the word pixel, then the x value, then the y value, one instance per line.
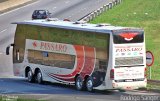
pixel 79 25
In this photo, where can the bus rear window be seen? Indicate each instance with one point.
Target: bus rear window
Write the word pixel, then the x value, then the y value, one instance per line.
pixel 128 37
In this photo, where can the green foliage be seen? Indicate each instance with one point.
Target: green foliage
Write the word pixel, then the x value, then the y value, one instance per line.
pixel 153 86
pixel 139 13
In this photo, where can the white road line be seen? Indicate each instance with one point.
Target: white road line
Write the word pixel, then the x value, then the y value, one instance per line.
pixel 67 2
pixel 54 8
pixel 18 8
pixel 3 31
pixel 83 9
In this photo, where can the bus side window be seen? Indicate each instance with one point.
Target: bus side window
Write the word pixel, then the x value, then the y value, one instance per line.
pixel 31 56
pixel 45 57
pixel 38 59
pixel 18 55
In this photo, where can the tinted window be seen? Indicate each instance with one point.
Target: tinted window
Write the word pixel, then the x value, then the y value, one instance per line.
pixel 51 59
pixel 99 41
pixel 19 47
pixel 39 12
pixel 128 37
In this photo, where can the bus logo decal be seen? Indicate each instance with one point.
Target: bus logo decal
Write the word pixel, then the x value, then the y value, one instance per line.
pixel 128 36
pixel 129 54
pixel 132 49
pixel 50 46
pixel 122 54
pixel 34 44
pixel 53 46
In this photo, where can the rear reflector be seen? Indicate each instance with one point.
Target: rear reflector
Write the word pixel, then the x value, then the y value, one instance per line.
pixel 112 74
pixel 145 72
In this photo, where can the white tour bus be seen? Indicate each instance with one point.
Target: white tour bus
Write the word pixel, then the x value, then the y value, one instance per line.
pixel 89 56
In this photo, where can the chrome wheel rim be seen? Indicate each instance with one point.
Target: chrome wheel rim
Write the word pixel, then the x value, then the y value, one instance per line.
pixel 39 77
pixel 79 84
pixel 89 85
pixel 29 76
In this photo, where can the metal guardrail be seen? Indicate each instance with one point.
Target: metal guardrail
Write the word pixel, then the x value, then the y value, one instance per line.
pixel 156 82
pixel 97 12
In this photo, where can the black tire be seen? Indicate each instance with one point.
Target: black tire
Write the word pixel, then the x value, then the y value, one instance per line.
pixel 122 90
pixel 30 76
pixel 79 84
pixel 89 84
pixel 38 77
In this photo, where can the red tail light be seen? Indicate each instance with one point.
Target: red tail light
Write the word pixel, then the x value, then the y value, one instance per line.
pixel 112 74
pixel 66 20
pixel 45 17
pixel 145 72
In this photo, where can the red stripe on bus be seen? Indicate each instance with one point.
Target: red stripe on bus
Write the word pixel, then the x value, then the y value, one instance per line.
pixel 89 61
pixel 80 62
pixel 63 79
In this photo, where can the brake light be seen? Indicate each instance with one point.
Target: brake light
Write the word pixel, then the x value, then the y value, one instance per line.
pixel 112 74
pixel 145 72
pixel 66 20
pixel 45 17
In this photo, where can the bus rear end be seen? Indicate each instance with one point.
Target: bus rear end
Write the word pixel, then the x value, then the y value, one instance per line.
pixel 129 59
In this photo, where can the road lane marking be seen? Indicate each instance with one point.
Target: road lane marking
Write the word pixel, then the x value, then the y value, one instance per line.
pixel 54 8
pixel 18 8
pixel 3 31
pixel 67 2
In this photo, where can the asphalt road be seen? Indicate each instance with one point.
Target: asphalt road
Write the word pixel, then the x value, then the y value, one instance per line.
pixel 58 92
pixel 71 9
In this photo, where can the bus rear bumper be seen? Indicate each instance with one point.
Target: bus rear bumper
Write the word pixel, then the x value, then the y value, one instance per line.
pixel 129 85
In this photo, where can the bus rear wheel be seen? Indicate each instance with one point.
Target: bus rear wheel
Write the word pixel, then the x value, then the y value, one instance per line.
pixel 30 76
pixel 89 84
pixel 79 83
pixel 39 77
